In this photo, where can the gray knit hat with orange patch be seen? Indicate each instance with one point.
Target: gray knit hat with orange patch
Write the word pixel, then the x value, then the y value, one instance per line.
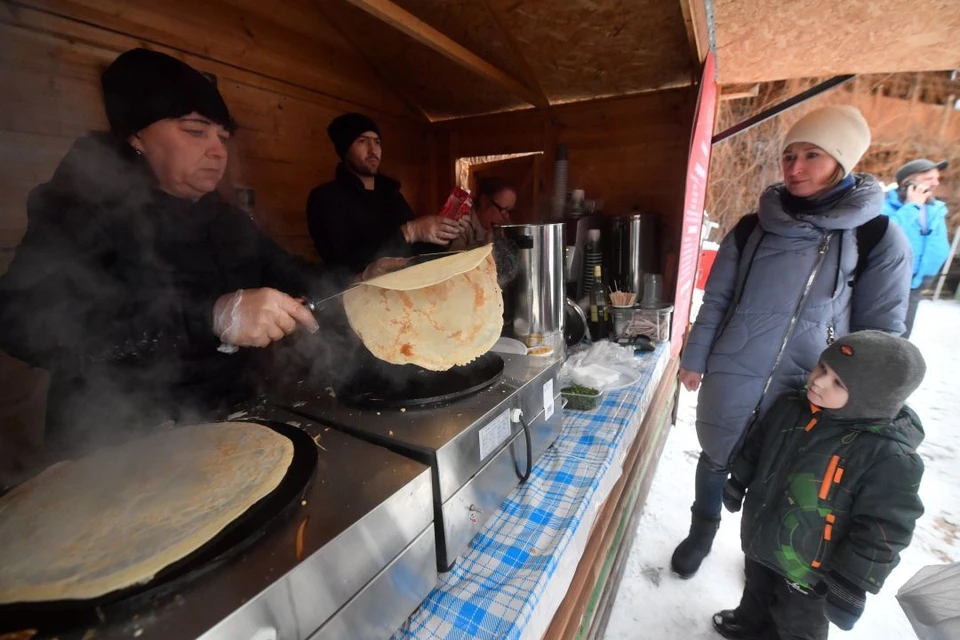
pixel 879 370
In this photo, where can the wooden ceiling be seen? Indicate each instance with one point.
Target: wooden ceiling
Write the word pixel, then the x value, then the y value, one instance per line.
pixel 456 58
pixel 432 60
pixel 762 40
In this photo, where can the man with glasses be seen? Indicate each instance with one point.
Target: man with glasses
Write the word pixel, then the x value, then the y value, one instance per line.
pixel 493 205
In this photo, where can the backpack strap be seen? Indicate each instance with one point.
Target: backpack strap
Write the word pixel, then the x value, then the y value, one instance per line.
pixel 869 235
pixel 743 229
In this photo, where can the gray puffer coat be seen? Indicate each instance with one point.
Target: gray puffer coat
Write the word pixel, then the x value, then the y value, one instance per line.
pixel 768 314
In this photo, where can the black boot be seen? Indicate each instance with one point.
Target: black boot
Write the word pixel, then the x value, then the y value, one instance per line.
pixel 727 625
pixel 691 552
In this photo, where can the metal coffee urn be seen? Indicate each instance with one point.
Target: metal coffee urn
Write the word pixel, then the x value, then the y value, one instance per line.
pixel 534 301
pixel 632 251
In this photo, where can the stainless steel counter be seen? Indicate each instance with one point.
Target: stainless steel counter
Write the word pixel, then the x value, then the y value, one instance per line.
pixel 475 443
pixel 366 561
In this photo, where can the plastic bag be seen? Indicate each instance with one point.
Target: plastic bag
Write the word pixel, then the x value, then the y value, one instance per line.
pixel 931 601
pixel 590 366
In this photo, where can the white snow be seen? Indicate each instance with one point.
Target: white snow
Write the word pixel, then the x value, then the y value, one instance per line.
pixel 655 604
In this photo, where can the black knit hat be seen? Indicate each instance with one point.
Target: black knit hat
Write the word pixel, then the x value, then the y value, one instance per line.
pixel 879 370
pixel 344 131
pixel 141 87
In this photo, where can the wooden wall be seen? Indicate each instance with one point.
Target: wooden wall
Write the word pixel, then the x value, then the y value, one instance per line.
pixel 285 73
pixel 282 70
pixel 625 151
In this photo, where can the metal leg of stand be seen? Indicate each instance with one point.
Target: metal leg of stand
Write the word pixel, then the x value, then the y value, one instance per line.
pixel 946 267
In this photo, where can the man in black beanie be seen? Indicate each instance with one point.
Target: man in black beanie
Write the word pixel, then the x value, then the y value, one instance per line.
pixel 361 215
pixel 828 482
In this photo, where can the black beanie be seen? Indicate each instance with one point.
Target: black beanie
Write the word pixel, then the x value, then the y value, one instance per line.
pixel 879 370
pixel 141 87
pixel 344 131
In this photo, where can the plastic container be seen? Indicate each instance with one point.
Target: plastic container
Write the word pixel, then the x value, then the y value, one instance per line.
pixel 581 401
pixel 635 321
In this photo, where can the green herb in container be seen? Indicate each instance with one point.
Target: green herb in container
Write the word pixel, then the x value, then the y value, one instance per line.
pixel 581 398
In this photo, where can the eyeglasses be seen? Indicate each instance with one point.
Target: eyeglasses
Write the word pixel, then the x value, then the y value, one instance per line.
pixel 503 210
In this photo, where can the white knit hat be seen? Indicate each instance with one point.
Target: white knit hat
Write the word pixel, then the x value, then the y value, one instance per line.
pixel 841 131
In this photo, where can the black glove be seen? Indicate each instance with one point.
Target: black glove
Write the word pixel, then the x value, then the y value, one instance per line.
pixel 845 601
pixel 733 493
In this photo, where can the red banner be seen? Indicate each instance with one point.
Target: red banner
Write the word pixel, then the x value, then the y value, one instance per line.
pixel 698 168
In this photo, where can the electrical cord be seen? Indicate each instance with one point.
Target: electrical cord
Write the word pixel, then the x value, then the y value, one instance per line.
pixel 526 435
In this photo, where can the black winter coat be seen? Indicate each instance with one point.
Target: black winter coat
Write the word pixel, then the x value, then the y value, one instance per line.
pixel 112 291
pixel 352 226
pixel 829 495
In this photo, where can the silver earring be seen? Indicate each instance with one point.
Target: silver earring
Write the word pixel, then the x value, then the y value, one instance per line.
pixel 139 153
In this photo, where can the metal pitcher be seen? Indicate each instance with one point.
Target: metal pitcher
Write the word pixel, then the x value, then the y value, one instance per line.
pixel 534 301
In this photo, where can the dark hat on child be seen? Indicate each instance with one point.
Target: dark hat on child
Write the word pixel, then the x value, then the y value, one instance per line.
pixel 344 131
pixel 142 86
pixel 879 370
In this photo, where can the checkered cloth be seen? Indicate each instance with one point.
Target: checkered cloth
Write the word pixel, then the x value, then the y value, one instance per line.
pixel 495 587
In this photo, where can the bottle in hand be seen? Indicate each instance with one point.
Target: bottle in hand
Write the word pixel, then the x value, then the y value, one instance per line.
pixel 599 310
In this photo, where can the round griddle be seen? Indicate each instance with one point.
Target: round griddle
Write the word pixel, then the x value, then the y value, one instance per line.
pixel 61 616
pixel 376 383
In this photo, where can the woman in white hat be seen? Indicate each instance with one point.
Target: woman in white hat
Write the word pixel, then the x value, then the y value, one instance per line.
pixel 816 261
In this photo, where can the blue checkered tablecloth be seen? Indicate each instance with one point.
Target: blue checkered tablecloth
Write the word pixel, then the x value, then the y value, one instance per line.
pixel 497 586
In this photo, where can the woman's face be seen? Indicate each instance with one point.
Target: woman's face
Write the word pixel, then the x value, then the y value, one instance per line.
pixel 808 170
pixel 188 155
pixel 496 209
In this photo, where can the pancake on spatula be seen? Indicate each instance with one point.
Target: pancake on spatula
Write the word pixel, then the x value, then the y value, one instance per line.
pixel 85 528
pixel 437 315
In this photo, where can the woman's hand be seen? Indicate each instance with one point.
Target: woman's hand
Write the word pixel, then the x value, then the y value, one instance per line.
pixel 690 379
pixel 257 317
pixel 432 229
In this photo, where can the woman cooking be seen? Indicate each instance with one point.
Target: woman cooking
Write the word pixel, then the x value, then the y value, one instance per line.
pixel 495 201
pixel 133 272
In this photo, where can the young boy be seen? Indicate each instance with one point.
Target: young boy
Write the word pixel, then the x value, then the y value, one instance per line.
pixel 831 478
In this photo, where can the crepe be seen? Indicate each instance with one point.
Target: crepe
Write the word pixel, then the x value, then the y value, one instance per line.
pixel 437 315
pixel 114 519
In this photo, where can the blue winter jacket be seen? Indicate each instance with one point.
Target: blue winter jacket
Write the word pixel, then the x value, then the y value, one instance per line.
pixel 930 247
pixel 754 304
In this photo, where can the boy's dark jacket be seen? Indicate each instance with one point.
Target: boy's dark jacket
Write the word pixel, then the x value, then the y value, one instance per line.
pixel 829 495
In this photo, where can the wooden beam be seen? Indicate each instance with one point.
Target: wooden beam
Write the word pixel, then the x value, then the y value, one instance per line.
pixel 739 91
pixel 423 33
pixel 351 38
pixel 503 28
pixel 698 36
pixel 688 24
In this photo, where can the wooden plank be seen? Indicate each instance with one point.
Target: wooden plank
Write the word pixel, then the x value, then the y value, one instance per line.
pixel 641 482
pixel 755 43
pixel 567 621
pixel 423 33
pixel 738 91
pixel 689 23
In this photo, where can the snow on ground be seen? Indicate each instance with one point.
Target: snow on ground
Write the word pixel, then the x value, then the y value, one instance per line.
pixel 655 604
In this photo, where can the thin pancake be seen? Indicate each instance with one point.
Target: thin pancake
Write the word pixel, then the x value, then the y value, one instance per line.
pixel 85 528
pixel 448 323
pixel 433 271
